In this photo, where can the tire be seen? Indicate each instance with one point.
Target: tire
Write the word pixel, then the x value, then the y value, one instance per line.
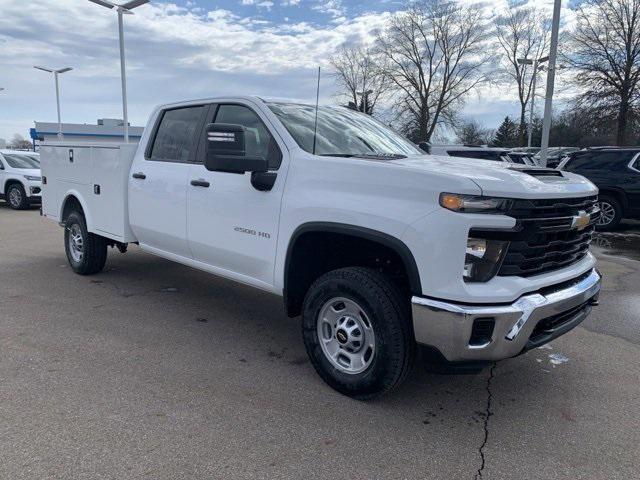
pixel 87 254
pixel 610 213
pixel 16 197
pixel 383 320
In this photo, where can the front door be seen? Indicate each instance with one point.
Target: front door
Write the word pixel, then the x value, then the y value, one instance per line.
pixel 232 227
pixel 160 178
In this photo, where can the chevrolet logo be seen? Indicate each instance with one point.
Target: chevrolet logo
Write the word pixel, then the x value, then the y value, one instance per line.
pixel 580 221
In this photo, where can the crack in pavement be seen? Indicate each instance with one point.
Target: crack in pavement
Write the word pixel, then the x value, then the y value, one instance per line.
pixel 487 414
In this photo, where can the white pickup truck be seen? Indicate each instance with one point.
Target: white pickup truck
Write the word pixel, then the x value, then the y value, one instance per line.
pixel 380 248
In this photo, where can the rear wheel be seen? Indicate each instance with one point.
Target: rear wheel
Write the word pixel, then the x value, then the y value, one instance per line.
pixel 86 252
pixel 357 332
pixel 16 197
pixel 610 213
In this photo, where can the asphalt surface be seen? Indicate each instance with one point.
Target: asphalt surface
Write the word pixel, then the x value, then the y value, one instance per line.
pixel 154 370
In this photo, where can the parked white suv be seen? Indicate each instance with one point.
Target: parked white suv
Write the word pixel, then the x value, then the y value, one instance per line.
pixel 379 247
pixel 20 179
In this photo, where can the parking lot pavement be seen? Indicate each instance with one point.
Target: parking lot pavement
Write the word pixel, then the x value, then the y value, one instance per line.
pixel 154 370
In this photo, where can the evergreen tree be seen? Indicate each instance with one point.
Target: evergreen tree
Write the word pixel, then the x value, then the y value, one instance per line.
pixel 507 134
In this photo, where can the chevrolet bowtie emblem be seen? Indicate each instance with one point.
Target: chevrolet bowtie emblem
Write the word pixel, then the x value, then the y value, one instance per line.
pixel 580 221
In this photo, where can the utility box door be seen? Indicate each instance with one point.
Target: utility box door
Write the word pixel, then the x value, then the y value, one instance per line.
pixel 109 183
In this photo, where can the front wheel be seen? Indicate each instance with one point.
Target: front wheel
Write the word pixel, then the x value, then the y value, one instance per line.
pixel 86 252
pixel 357 332
pixel 16 197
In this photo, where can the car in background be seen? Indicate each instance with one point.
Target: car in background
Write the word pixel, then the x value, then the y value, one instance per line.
pixel 466 151
pixel 531 150
pixel 484 153
pixel 523 158
pixel 616 173
pixel 20 178
pixel 555 155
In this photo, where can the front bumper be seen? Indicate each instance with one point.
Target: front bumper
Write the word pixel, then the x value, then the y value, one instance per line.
pixel 530 321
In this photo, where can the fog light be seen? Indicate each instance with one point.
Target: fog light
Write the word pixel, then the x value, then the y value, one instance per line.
pixel 483 258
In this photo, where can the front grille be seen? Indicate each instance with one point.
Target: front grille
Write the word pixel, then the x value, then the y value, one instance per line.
pixel 545 237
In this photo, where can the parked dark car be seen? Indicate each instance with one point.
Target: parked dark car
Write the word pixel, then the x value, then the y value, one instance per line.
pixel 616 172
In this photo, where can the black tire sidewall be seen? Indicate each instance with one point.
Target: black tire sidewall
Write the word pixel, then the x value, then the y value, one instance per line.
pixel 76 218
pixel 618 217
pixel 381 375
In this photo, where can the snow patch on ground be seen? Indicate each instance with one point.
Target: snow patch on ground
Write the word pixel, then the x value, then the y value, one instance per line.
pixel 558 359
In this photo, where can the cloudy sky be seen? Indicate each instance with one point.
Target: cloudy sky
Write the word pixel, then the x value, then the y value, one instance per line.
pixel 184 49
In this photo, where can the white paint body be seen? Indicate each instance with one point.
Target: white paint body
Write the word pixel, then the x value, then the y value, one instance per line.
pixel 203 227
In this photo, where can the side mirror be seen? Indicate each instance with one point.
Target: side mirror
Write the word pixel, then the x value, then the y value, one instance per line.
pixel 225 151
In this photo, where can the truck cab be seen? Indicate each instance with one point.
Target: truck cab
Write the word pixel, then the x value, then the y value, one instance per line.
pixel 381 249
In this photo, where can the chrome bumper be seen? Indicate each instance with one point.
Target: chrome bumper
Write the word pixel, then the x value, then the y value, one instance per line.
pixel 448 326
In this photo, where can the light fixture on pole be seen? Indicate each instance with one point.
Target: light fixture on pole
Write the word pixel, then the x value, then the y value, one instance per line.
pixel 55 75
pixel 551 75
pixel 536 66
pixel 124 9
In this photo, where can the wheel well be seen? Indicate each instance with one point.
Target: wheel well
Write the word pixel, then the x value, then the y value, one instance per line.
pixel 71 204
pixel 618 195
pixel 313 253
pixel 10 182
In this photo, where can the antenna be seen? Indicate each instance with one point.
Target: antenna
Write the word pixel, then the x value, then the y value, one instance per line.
pixel 315 123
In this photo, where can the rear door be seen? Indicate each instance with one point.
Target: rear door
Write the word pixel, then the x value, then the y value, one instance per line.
pixel 160 176
pixel 233 226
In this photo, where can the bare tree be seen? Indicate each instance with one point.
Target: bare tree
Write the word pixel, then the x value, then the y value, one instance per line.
pixel 18 142
pixel 470 132
pixel 522 33
pixel 605 54
pixel 360 76
pixel 434 55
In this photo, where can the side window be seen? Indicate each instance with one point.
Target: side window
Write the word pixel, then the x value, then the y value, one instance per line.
pixel 580 162
pixel 174 139
pixel 258 139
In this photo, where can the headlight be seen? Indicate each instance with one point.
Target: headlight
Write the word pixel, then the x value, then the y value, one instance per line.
pixel 33 178
pixel 483 259
pixel 474 204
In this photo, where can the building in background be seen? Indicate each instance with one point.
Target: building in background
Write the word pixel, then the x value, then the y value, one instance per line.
pixel 106 130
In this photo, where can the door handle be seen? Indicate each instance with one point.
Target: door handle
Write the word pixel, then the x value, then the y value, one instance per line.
pixel 139 175
pixel 200 183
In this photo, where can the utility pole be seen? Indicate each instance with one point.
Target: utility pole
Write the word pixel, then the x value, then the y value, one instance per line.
pixel 551 73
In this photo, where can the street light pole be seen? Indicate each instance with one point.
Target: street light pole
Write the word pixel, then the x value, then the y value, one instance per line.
pixel 123 77
pixel 551 73
pixel 121 10
pixel 533 99
pixel 55 76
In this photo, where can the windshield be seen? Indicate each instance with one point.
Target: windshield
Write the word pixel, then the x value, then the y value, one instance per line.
pixel 341 132
pixel 20 160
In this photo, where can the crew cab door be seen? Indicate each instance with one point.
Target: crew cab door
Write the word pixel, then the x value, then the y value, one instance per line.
pixel 159 180
pixel 232 226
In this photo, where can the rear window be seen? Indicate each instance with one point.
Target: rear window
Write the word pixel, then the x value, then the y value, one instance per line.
pixel 174 140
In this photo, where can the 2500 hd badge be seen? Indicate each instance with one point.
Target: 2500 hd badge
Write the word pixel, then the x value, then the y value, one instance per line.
pixel 250 231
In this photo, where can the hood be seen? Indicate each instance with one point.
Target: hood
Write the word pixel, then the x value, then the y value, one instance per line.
pixel 35 172
pixel 504 179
